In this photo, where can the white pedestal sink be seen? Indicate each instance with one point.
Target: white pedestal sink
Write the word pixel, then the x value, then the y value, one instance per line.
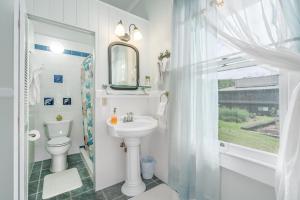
pixel 132 133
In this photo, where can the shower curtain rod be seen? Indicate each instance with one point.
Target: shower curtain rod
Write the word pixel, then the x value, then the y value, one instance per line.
pixel 89 56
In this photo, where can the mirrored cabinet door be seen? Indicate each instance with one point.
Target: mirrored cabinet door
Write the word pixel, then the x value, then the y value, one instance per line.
pixel 123 66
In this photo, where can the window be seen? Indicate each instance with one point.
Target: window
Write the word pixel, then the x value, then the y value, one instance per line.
pixel 249 107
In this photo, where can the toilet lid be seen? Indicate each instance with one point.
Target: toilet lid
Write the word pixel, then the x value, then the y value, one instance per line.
pixel 58 141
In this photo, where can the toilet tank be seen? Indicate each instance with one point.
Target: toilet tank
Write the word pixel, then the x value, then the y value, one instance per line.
pixel 58 128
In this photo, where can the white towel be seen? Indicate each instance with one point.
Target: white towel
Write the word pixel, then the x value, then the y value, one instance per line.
pixel 34 86
pixel 161 109
pixel 165 64
pixel 162 105
pixel 160 192
pixel 161 113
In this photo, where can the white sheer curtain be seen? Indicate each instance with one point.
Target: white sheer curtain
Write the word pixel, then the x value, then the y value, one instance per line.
pixel 265 31
pixel 194 155
pixel 259 29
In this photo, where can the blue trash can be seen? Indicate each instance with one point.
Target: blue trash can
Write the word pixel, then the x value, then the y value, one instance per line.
pixel 148 167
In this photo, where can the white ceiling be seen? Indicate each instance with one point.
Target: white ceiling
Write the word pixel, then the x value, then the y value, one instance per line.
pixel 123 4
pixel 133 6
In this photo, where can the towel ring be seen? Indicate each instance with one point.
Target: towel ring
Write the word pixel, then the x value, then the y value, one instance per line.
pixel 166 94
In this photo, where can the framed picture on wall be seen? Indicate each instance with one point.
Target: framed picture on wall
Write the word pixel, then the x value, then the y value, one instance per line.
pixel 67 101
pixel 48 101
pixel 58 78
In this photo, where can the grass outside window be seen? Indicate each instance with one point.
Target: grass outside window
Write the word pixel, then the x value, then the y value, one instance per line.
pixel 233 132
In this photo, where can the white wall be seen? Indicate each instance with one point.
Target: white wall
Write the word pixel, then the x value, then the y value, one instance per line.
pixel 80 13
pixel 102 19
pixel 110 158
pixel 6 98
pixel 70 67
pixel 237 187
pixel 159 15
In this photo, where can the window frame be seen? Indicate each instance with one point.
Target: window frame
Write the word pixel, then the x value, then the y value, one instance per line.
pixel 250 162
pixel 254 164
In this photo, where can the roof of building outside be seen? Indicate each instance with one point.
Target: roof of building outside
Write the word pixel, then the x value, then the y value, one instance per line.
pixel 248 88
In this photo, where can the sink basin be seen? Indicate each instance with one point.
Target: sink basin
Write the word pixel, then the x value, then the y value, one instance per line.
pixel 139 127
pixel 132 132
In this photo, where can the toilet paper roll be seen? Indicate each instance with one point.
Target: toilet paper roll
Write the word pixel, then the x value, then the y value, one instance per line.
pixel 34 135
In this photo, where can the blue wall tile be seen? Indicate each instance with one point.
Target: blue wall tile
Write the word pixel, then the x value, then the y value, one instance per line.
pixel 85 54
pixel 66 51
pixel 41 47
pixel 48 101
pixel 67 101
pixel 58 78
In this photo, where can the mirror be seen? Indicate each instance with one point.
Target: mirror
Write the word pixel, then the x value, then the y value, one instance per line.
pixel 123 60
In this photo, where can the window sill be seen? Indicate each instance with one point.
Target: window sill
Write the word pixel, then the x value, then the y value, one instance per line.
pixel 255 164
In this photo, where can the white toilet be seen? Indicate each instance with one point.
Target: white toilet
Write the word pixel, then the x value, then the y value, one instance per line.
pixel 59 143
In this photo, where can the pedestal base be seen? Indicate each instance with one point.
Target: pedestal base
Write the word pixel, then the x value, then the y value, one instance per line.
pixel 133 184
pixel 133 190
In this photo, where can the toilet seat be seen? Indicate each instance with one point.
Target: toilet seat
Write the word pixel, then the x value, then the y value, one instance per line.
pixel 59 141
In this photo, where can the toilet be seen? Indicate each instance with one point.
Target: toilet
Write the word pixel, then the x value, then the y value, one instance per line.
pixel 59 143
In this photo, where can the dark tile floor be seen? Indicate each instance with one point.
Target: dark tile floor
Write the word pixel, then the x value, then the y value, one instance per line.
pixel 86 192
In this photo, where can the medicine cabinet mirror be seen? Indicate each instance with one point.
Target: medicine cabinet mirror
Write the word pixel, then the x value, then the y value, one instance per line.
pixel 123 60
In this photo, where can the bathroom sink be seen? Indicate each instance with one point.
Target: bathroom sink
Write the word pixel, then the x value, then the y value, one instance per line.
pixel 139 127
pixel 132 132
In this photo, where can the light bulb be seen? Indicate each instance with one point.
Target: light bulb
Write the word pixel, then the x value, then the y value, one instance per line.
pixel 120 31
pixel 137 35
pixel 220 3
pixel 57 47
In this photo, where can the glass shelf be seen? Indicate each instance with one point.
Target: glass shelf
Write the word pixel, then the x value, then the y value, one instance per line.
pixel 126 87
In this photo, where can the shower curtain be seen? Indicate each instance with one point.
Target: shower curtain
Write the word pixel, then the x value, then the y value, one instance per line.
pixel 87 96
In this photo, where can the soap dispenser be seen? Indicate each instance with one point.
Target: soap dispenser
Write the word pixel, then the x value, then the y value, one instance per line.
pixel 114 118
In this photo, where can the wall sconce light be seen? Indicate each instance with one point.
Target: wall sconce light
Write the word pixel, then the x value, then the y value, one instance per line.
pixel 219 3
pixel 134 32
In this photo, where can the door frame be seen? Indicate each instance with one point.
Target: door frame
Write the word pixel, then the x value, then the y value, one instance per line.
pixel 20 146
pixel 19 49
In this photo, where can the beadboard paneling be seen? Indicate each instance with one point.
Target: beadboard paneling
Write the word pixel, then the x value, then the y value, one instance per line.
pixel 56 10
pixel 70 12
pixel 41 8
pixel 83 13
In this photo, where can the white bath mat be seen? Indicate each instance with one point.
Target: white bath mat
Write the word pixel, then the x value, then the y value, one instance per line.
pixel 160 192
pixel 61 182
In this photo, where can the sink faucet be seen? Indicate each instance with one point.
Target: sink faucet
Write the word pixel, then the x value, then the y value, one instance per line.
pixel 128 117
